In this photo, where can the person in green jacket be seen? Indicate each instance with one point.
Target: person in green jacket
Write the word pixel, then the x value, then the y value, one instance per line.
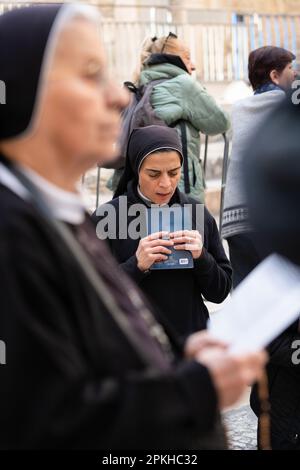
pixel 181 99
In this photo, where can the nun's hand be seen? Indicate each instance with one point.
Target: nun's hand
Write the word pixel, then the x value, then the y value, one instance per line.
pixel 153 249
pixel 200 340
pixel 188 240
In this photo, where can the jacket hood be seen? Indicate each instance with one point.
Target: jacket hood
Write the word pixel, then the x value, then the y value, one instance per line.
pixel 176 60
pixel 159 71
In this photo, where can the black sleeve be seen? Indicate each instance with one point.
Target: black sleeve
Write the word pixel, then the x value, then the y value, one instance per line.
pixel 213 270
pixel 53 395
pixel 131 268
pixel 130 265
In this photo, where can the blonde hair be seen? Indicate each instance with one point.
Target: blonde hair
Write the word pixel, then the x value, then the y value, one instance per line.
pixel 166 44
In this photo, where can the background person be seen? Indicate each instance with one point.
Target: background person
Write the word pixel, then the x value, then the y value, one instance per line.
pixel 180 100
pixel 271 74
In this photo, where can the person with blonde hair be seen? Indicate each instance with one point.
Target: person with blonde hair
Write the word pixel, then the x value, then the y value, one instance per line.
pixel 166 44
pixel 180 101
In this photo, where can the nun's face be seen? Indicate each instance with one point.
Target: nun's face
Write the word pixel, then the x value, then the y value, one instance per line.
pixel 159 176
pixel 81 107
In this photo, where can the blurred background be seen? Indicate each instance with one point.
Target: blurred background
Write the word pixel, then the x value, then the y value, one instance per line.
pixel 220 34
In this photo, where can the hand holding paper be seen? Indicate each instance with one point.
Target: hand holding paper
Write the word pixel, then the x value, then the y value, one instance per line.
pixel 263 306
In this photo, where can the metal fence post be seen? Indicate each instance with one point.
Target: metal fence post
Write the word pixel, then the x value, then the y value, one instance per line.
pixel 98 186
pixel 205 156
pixel 224 177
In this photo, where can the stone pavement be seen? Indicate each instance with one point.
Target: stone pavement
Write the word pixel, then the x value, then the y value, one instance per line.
pixel 241 424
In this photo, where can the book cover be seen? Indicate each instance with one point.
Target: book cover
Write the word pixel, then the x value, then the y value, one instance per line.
pixel 171 219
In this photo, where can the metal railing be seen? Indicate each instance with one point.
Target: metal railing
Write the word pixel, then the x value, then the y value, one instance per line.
pixel 225 161
pixel 220 51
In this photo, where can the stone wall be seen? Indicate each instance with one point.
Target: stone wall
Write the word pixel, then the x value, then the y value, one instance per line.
pixel 241 6
pixel 185 10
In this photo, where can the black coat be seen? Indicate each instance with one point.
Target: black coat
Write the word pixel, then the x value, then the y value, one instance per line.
pixel 178 293
pixel 71 379
pixel 284 390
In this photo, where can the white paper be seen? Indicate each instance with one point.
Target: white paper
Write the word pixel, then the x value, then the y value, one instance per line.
pixel 261 307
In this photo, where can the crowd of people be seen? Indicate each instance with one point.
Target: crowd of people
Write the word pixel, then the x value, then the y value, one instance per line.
pixel 103 351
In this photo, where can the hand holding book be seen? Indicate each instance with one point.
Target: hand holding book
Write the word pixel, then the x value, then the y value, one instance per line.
pixel 189 240
pixel 176 224
pixel 153 249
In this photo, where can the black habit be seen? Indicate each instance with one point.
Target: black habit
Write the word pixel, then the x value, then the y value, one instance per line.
pixel 72 380
pixel 83 370
pixel 177 293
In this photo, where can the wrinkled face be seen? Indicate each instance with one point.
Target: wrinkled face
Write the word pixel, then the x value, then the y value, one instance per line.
pixel 80 107
pixel 159 176
pixel 285 78
pixel 186 58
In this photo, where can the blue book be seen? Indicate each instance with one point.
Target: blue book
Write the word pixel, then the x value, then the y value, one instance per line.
pixel 171 219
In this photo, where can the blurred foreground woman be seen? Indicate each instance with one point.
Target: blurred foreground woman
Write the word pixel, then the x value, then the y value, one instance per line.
pixel 87 366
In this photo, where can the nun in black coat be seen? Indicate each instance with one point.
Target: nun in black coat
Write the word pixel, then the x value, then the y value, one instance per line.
pixel 84 368
pixel 177 293
pixel 86 364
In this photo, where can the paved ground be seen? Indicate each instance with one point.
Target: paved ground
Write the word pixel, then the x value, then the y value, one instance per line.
pixel 241 428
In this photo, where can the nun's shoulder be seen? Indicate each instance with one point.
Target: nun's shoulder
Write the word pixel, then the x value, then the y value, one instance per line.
pixel 12 206
pixel 185 199
pixel 20 224
pixel 209 220
pixel 105 207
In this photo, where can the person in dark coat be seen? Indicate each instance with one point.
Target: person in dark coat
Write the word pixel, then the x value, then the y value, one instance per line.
pixel 271 74
pixel 273 169
pixel 151 175
pixel 87 365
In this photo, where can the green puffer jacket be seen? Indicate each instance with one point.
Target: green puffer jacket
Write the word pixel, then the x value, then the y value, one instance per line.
pixel 182 97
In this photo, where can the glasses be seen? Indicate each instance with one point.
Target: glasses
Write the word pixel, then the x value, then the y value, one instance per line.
pixel 170 35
